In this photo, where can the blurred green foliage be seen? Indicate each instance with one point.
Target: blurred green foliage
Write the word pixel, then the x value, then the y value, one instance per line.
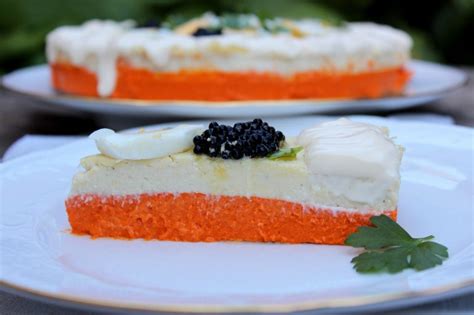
pixel 443 30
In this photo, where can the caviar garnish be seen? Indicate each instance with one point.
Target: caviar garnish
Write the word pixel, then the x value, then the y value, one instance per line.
pixel 253 139
pixel 207 32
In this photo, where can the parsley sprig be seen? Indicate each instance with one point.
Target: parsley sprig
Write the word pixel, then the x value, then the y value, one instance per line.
pixel 237 21
pixel 391 249
pixel 285 154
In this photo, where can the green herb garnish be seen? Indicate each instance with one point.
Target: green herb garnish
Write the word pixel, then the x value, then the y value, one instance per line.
pixel 275 29
pixel 238 21
pixel 285 154
pixel 391 249
pixel 174 20
pixel 275 26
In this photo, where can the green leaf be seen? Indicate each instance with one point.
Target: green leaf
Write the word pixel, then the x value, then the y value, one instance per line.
pixel 174 20
pixel 385 233
pixel 391 227
pixel 285 154
pixel 393 260
pixel 274 26
pixel 427 255
pixel 291 9
pixel 437 249
pixel 368 262
pixel 237 21
pixel 391 249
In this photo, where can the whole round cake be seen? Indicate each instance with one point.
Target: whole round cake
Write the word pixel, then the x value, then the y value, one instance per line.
pixel 231 57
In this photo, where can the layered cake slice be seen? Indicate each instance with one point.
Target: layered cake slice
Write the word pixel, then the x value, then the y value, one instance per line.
pixel 244 182
pixel 222 58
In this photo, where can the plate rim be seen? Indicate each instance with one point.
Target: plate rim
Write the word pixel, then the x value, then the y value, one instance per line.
pixel 330 305
pixel 132 103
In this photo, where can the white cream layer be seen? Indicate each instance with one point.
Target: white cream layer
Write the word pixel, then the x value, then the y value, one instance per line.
pixel 187 172
pixel 358 47
pixel 353 159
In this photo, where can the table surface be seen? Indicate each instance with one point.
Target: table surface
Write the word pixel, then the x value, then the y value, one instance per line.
pixel 21 115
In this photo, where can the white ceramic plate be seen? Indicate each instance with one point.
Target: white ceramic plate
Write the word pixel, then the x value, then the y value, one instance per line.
pixel 41 258
pixel 430 82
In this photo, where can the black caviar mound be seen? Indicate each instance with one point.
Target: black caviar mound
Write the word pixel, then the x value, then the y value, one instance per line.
pixel 252 139
pixel 207 32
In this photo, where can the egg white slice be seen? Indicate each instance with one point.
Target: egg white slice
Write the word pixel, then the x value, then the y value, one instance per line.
pixel 146 144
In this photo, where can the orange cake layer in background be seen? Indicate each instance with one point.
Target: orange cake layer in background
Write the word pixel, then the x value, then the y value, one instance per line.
pixel 136 83
pixel 73 79
pixel 197 217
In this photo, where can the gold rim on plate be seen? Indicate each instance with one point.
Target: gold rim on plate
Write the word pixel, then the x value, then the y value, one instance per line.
pixel 308 305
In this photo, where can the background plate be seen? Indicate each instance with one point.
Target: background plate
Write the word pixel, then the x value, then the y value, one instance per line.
pixel 430 82
pixel 39 256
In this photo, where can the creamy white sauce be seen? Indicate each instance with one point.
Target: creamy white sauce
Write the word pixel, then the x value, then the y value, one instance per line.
pixel 91 45
pixel 340 153
pixel 358 47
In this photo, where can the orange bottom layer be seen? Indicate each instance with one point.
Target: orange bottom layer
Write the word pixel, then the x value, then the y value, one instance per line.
pixel 135 83
pixel 72 79
pixel 197 217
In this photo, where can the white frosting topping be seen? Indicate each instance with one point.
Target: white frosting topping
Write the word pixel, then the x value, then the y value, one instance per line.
pixel 145 145
pixel 187 172
pixel 357 47
pixel 91 45
pixel 340 153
